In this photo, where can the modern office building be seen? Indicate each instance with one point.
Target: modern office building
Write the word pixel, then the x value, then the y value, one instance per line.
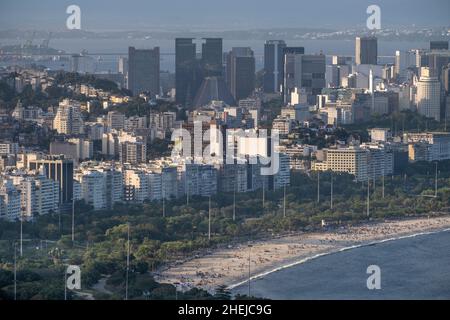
pixel 240 73
pixel 185 71
pixel 273 65
pixel 143 70
pixel 306 72
pixel 288 66
pixel 366 50
pixel 428 97
pixel 212 57
pixel 439 45
pixel 57 168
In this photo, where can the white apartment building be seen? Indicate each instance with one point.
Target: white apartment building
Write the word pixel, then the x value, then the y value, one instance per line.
pixel 68 118
pixel 9 201
pixel 438 149
pixel 9 148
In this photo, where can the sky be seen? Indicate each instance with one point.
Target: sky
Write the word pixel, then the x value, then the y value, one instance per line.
pixel 114 15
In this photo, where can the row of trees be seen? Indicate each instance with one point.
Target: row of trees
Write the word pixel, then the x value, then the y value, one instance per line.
pixel 101 236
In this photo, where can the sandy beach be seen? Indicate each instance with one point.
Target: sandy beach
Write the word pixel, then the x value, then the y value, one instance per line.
pixel 230 266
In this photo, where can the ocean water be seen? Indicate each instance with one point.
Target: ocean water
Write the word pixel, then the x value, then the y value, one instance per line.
pixel 411 268
pixel 106 52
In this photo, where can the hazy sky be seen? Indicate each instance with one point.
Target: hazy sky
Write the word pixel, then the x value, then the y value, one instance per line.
pixel 215 14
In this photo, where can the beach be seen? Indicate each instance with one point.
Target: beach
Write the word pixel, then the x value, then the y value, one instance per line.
pixel 230 266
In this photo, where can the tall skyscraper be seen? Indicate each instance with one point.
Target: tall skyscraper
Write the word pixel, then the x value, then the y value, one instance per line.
pixel 366 50
pixel 212 57
pixel 306 71
pixel 143 70
pixel 185 66
pixel 428 97
pixel 273 65
pixel 240 73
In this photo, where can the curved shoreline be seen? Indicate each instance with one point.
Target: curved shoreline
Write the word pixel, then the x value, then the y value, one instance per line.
pixel 319 255
pixel 229 266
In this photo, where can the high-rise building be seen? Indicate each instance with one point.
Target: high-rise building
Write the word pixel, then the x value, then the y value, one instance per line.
pixel 366 50
pixel 288 54
pixel 60 169
pixel 212 57
pixel 185 68
pixel 240 73
pixel 9 201
pixel 435 144
pixel 352 160
pixel 304 71
pixel 133 152
pixel 68 118
pixel 438 45
pixel 143 70
pixel 115 120
pixel 273 65
pixel 428 97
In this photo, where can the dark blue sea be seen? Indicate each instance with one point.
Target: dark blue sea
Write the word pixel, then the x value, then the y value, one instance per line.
pixel 410 268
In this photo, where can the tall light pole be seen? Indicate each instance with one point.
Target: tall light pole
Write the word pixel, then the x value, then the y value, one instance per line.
pixel 73 220
pixel 21 233
pixel 436 181
pixel 382 180
pixel 318 186
pixel 187 192
pixel 234 203
pixel 368 196
pixel 65 284
pixel 15 271
pixel 249 263
pixel 331 193
pixel 164 206
pixel 284 201
pixel 209 220
pixel 128 262
pixel 263 194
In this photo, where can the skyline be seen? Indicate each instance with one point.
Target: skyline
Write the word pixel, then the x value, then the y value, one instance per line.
pixel 227 150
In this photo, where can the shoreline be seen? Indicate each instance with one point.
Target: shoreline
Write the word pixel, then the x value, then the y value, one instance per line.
pixel 229 266
pixel 286 266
